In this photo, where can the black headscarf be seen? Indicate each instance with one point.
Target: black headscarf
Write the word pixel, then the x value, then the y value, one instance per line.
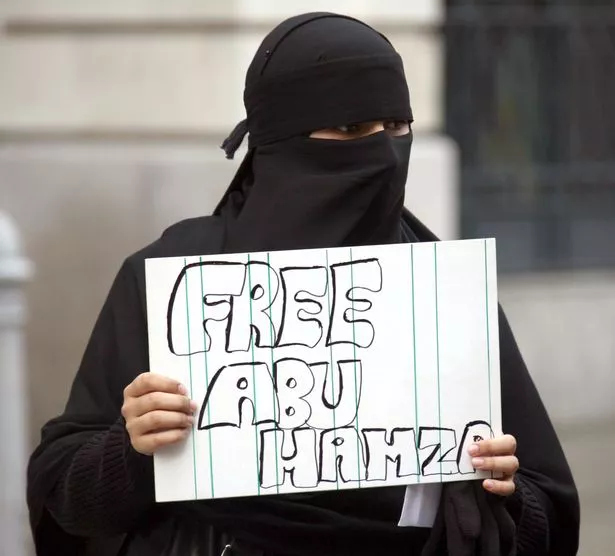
pixel 313 72
pixel 85 482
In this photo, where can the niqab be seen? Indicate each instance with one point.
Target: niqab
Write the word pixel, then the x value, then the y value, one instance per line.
pixel 292 192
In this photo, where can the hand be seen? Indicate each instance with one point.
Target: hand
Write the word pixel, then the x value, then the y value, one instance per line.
pixel 497 455
pixel 157 412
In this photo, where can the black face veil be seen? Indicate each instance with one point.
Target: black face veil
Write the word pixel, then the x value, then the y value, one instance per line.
pixel 312 72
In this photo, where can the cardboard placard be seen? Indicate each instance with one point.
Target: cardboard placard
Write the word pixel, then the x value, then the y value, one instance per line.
pixel 327 369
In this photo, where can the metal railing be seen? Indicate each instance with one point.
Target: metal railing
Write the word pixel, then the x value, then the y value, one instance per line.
pixel 529 100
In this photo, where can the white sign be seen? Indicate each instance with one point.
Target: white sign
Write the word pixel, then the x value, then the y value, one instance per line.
pixel 327 369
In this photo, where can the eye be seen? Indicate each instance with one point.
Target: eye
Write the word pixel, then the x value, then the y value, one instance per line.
pixel 397 127
pixel 350 129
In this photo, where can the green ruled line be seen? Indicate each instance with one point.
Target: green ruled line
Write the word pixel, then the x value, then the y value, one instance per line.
pixel 356 392
pixel 275 415
pixel 435 261
pixel 211 461
pixel 258 484
pixel 488 335
pixel 333 369
pixel 416 394
pixel 191 390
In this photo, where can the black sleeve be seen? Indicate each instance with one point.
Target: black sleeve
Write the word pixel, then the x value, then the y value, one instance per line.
pixel 84 476
pixel 106 488
pixel 545 505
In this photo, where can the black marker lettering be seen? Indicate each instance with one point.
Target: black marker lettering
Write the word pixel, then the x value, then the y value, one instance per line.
pixel 473 432
pixel 351 284
pixel 346 402
pixel 341 452
pixel 301 287
pixel 294 381
pixel 221 281
pixel 251 309
pixel 435 444
pixel 231 390
pixel 400 449
pixel 300 465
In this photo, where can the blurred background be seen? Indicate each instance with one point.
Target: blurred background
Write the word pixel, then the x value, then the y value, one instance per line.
pixel 111 114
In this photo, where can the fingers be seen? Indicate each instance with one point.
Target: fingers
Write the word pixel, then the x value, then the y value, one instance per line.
pixel 135 407
pixel 157 412
pixel 161 400
pixel 504 487
pixel 151 382
pixel 507 465
pixel 501 446
pixel 498 456
pixel 150 443
pixel 157 421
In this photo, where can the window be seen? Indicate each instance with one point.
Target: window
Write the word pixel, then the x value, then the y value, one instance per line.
pixel 529 99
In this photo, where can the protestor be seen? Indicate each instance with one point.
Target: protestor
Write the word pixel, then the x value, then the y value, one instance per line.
pixel 328 124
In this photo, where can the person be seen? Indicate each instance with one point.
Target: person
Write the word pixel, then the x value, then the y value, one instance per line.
pixel 329 139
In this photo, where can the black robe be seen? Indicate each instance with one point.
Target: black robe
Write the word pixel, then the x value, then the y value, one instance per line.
pixel 87 487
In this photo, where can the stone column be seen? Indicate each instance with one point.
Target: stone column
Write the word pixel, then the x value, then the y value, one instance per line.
pixel 15 271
